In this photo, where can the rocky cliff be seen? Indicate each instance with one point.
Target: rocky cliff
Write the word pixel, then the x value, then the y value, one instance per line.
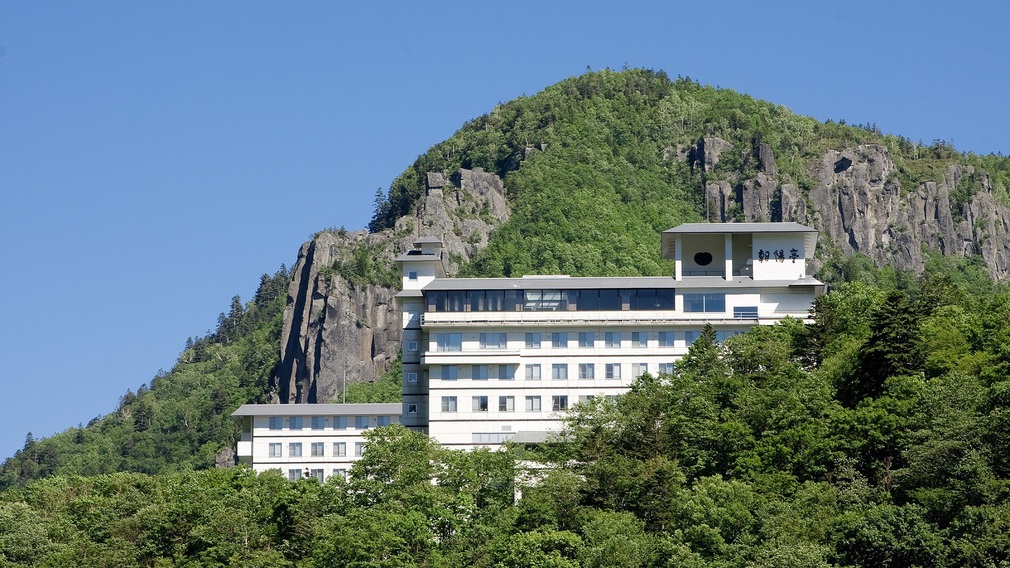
pixel 341 323
pixel 859 205
pixel 341 327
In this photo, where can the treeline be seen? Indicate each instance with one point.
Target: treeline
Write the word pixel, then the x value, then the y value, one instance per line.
pixel 181 421
pixel 877 436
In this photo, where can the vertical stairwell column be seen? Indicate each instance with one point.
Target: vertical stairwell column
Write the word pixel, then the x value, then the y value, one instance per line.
pixel 678 265
pixel 729 255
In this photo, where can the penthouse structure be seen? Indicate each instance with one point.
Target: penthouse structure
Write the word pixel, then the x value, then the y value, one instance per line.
pixel 491 359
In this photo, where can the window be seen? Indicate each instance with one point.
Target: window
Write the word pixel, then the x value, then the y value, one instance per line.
pixel 559 371
pixel 533 341
pixel 613 370
pixel 721 336
pixel 559 340
pixel 294 474
pixel 412 377
pixel 559 402
pixel 587 371
pixel 533 372
pixel 412 346
pixel 412 275
pixel 533 404
pixel 584 398
pixel 479 372
pixel 639 339
pixel 613 338
pixel 411 409
pixel 295 450
pixel 506 372
pixel 339 449
pixel 544 300
pixel 639 369
pixel 745 312
pixel 361 422
pixel 359 448
pixel 690 337
pixel 383 420
pixel 490 437
pixel 295 423
pixel 341 473
pixel 448 404
pixel 276 423
pixel 318 449
pixel 610 398
pixel 339 422
pixel 493 341
pixel 448 342
pixel 318 422
pixel 317 474
pixel 275 450
pixel 506 404
pixel 708 302
pixel 587 339
pixel 666 368
pixel 666 339
pixel 480 404
pixel 450 372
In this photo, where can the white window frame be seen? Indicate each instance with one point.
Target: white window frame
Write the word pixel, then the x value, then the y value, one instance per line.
pixel 533 372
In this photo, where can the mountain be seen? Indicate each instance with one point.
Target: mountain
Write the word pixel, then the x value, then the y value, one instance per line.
pixel 578 179
pixel 581 178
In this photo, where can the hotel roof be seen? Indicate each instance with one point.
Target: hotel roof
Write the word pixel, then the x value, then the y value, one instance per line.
pixel 318 409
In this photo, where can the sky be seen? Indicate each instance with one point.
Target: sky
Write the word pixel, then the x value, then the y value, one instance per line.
pixel 156 158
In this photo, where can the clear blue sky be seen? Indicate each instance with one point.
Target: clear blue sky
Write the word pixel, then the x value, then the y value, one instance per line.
pixel 157 158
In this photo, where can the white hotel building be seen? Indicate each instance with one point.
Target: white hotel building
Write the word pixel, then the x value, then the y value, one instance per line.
pixel 492 359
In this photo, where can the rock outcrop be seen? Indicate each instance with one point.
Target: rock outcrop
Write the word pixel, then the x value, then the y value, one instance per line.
pixel 859 205
pixel 337 332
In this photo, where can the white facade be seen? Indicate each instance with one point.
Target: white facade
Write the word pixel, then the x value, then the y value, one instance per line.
pixel 487 358
pixel 491 359
pixel 308 440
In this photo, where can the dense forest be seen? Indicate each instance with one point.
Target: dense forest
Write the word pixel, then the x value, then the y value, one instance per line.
pixel 877 436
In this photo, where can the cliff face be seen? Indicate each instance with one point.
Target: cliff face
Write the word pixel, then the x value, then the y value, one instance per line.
pixel 339 329
pixel 859 205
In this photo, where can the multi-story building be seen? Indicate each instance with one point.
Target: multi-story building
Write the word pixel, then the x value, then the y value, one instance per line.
pixel 486 358
pixel 308 440
pixel 492 359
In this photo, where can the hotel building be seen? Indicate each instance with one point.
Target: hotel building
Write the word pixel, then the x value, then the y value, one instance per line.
pixel 487 360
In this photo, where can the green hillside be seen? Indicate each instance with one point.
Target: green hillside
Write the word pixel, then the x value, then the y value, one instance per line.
pixel 877 437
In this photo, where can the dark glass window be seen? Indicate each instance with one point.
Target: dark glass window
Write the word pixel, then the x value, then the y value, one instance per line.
pixel 610 300
pixel 495 300
pixel 477 300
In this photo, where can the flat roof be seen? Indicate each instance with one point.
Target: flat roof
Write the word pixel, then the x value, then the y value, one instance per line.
pixel 427 240
pixel 786 227
pixel 658 282
pixel 318 409
pixel 415 256
pixel 550 282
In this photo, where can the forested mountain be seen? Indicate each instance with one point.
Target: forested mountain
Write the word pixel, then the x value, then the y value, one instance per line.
pixel 876 437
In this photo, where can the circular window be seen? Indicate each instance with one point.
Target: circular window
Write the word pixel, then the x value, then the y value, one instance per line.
pixel 703 258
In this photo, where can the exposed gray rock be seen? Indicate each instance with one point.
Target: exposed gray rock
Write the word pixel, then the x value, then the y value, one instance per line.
pixel 858 204
pixel 335 332
pixel 436 180
pixel 225 458
pixel 766 159
pixel 706 154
